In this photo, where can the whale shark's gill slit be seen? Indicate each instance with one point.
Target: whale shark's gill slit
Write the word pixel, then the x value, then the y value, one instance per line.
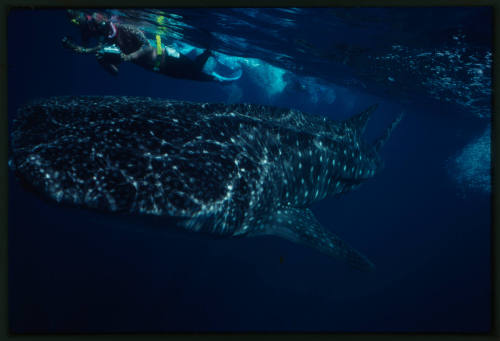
pixel 299 225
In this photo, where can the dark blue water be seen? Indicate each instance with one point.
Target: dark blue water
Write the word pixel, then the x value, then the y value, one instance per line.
pixel 73 270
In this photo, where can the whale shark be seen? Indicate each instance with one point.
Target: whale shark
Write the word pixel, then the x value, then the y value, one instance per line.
pixel 236 170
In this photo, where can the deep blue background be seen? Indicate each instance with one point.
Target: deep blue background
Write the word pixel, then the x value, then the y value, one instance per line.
pixel 73 270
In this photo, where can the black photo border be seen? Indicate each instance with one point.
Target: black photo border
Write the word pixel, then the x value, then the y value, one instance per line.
pixel 7 5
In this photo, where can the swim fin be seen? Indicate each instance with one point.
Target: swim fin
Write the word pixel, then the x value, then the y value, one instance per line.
pixel 221 78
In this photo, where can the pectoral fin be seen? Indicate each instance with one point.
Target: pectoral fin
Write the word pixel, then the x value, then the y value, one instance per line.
pixel 301 226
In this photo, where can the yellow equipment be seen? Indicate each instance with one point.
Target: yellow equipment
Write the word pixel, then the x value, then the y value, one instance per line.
pixel 159 50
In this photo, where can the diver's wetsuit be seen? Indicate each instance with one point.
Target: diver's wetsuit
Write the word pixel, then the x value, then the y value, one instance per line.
pixel 136 48
pixel 176 66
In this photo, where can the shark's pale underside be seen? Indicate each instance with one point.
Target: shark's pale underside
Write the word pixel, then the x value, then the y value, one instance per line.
pixel 230 170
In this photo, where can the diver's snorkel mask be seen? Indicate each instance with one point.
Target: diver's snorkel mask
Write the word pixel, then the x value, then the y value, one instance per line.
pixel 95 24
pixel 100 23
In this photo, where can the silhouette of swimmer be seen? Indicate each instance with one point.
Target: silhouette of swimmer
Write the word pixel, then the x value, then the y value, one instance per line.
pixel 119 42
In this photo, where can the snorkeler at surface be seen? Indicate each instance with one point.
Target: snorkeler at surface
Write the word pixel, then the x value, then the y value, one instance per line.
pixel 118 42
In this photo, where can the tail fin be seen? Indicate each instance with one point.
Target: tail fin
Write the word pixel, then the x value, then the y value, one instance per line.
pixel 383 139
pixel 358 122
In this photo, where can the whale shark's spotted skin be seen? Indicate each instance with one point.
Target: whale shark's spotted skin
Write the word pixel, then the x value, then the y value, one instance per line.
pixel 231 170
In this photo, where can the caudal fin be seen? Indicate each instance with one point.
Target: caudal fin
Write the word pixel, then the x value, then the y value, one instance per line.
pixel 383 139
pixel 358 122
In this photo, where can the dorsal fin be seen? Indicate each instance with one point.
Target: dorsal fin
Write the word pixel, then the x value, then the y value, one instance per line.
pixel 358 121
pixel 383 139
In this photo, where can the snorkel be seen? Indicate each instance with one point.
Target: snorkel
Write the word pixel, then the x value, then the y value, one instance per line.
pixel 77 18
pixel 113 27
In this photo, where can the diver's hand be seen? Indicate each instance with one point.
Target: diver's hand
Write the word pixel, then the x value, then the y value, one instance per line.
pixel 124 57
pixel 100 56
pixel 67 43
